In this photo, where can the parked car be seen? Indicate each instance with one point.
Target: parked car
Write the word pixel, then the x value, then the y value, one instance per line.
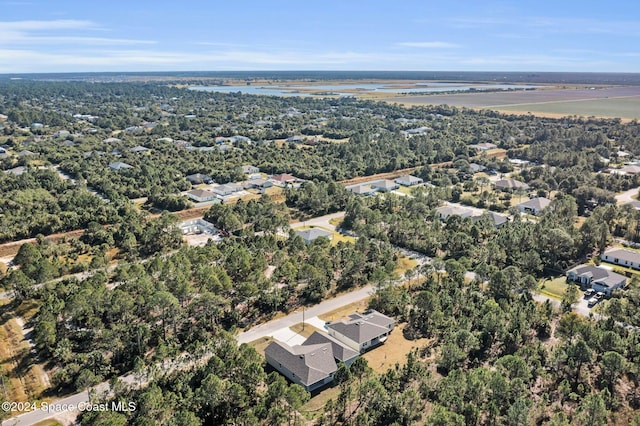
pixel 589 293
pixel 600 295
pixel 593 301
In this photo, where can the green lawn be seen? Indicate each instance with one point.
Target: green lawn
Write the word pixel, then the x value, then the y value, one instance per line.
pixel 554 288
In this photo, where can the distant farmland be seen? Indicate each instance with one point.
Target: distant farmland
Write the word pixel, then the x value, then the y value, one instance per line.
pixel 622 102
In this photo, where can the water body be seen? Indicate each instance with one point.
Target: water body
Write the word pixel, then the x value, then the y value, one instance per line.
pixel 338 89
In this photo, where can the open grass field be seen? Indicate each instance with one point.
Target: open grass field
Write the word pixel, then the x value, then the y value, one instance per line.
pixel 628 108
pixel 614 102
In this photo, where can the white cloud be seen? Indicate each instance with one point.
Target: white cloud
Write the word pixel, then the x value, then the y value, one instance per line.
pixel 429 44
pixel 58 24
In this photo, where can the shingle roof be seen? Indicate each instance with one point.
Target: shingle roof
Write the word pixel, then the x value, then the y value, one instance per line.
pixel 313 233
pixel 310 363
pixel 384 184
pixel 363 327
pixel 624 254
pixel 538 203
pixel 510 184
pixel 341 352
pixel 601 276
pixel 201 193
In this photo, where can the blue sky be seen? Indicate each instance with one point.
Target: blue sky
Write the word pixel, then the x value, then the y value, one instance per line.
pixel 116 35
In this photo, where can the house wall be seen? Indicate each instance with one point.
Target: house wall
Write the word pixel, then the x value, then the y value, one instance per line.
pixel 608 290
pixel 351 343
pixel 621 262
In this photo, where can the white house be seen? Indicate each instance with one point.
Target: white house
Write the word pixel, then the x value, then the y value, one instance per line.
pixel 362 331
pixel 408 180
pixel 622 257
pixel 361 189
pixel 384 185
pixel 197 226
pixel 201 195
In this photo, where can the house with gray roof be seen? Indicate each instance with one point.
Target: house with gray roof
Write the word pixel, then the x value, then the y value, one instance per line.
pixel 312 234
pixel 623 257
pixel 249 169
pixel 362 189
pixel 362 331
pixel 341 352
pixel 384 185
pixel 199 178
pixel 119 165
pixel 138 149
pixel 599 279
pixel 510 185
pixel 201 196
pixel 311 366
pixel 534 206
pixel 408 180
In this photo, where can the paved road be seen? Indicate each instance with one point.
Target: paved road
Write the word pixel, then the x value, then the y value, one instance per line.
pixel 270 327
pixel 60 406
pixel 322 221
pixel 627 196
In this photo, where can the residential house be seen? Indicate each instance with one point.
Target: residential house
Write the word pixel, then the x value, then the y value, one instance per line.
pixel 197 226
pixel 485 146
pixel 456 210
pixel 310 366
pixel 296 139
pixel 61 134
pixel 26 153
pixel 341 352
pixel 534 206
pixel 199 178
pixel 363 189
pixel 283 179
pixel 408 180
pixel 384 185
pixel 119 165
pixel 477 168
pixel 111 140
pixel 16 171
pixel 622 257
pixel 416 131
pixel 249 169
pixel 510 185
pixel 599 279
pixel 362 331
pixel 224 190
pixel 138 149
pixel 259 184
pixel 202 195
pixel 498 219
pixel 312 234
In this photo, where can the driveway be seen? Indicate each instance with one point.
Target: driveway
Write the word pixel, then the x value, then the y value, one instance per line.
pixel 272 327
pixel 322 221
pixel 627 196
